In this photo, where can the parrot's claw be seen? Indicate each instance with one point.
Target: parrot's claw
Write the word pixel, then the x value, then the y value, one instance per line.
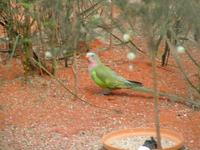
pixel 106 92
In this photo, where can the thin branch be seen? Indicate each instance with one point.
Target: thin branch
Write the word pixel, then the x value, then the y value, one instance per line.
pixel 181 67
pixel 89 9
pixel 63 85
pixel 116 37
pixel 156 95
pixel 5 51
pixel 14 47
pixel 193 60
pixel 111 18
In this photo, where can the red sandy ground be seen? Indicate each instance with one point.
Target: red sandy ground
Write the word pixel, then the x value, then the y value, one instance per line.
pixel 42 115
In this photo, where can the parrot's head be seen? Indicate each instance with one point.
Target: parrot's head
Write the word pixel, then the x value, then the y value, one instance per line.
pixel 93 58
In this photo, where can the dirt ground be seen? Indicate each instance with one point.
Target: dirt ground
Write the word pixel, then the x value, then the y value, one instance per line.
pixel 42 115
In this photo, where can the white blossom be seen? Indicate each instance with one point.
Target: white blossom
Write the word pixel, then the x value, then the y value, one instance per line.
pixel 126 37
pixel 131 56
pixel 180 49
pixel 48 54
pixel 64 51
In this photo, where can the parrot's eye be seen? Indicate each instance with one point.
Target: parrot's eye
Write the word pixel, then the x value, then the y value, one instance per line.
pixel 91 55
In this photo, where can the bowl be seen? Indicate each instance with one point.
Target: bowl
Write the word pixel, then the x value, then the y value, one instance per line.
pixel 150 132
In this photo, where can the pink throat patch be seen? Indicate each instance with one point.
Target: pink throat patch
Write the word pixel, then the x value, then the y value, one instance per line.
pixel 91 65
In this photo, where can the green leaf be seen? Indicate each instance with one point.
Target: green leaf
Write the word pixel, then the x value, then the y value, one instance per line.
pixel 26 40
pixel 50 24
pixel 27 5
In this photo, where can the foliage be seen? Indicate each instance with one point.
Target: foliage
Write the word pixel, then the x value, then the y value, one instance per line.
pixel 173 23
pixel 35 28
pixel 45 30
pixel 46 26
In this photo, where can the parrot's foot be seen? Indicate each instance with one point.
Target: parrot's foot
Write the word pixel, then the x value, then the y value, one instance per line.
pixel 106 92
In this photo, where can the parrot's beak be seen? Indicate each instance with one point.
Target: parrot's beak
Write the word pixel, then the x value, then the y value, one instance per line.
pixel 87 57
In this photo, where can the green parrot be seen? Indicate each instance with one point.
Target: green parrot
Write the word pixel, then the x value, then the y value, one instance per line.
pixel 109 80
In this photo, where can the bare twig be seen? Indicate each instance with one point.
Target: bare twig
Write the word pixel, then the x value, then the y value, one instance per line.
pixel 75 71
pixel 14 47
pixel 116 37
pixel 63 85
pixel 91 8
pixel 156 95
pixel 5 51
pixel 111 18
pixel 193 60
pixel 181 67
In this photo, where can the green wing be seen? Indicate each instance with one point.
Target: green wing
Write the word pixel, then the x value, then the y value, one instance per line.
pixel 106 78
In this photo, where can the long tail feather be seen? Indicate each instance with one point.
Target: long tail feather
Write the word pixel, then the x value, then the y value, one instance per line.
pixel 136 83
pixel 151 91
